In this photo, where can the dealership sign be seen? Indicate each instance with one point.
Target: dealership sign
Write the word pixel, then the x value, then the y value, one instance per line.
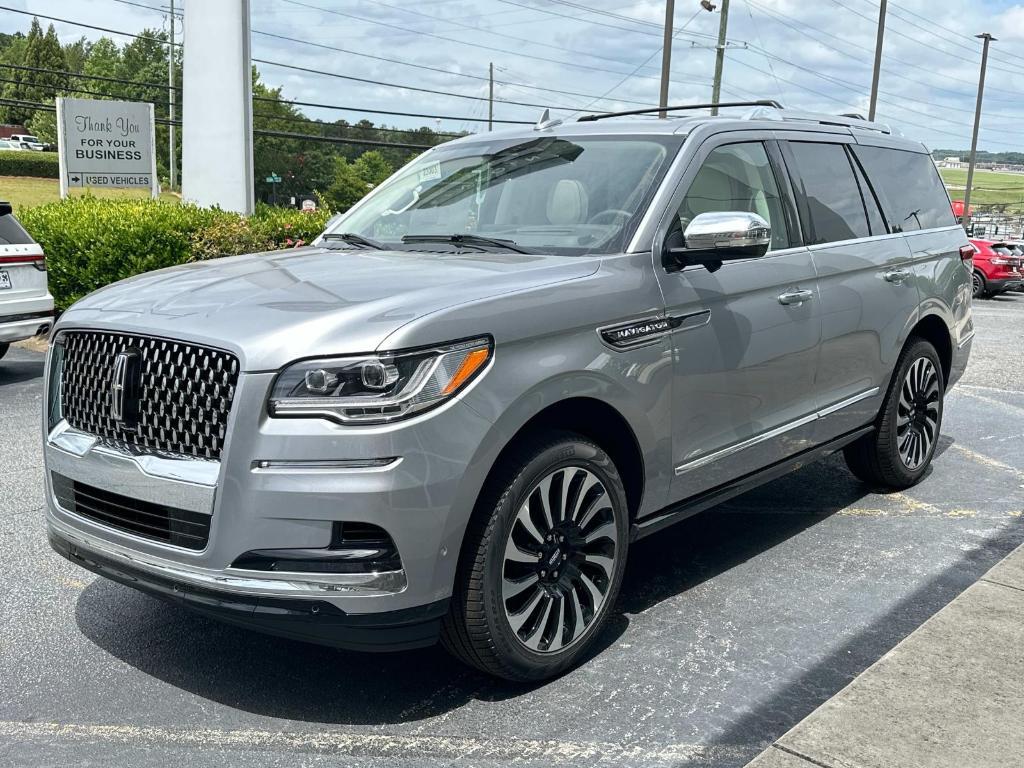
pixel 106 144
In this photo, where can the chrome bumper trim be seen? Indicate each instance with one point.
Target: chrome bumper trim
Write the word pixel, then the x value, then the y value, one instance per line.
pixel 182 469
pixel 238 581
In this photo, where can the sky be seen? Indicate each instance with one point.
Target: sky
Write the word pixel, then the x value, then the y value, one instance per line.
pixel 575 56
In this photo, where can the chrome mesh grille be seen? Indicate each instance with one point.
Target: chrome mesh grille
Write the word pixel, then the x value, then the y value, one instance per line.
pixel 185 392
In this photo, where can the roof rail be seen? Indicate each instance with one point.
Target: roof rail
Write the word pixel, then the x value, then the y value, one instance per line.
pixel 847 120
pixel 761 103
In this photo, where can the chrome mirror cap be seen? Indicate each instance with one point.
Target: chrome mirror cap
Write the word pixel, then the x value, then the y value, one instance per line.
pixel 728 231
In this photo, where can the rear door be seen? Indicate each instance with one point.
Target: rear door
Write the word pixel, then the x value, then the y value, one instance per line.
pixel 22 269
pixel 865 279
pixel 745 349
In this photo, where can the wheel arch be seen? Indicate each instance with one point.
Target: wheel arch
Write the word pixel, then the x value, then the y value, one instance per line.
pixel 935 331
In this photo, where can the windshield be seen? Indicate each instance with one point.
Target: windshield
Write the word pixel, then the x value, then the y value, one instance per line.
pixel 558 194
pixel 30 139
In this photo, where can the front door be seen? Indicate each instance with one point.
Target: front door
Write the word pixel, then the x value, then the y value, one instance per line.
pixel 747 335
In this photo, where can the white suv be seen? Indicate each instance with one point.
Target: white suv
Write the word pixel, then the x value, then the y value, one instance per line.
pixel 26 306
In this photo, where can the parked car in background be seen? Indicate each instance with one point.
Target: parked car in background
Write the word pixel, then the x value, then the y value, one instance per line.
pixel 26 306
pixel 7 144
pixel 1018 251
pixel 996 268
pixel 451 416
pixel 26 141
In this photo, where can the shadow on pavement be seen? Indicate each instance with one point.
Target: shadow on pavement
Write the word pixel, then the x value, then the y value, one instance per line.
pixel 20 371
pixel 281 678
pixel 771 718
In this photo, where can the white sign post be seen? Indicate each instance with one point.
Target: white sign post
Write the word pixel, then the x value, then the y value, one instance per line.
pixel 106 144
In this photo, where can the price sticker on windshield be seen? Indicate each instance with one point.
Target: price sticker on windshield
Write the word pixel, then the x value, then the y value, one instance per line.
pixel 431 172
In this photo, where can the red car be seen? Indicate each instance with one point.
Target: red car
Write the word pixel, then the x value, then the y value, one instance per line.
pixel 996 268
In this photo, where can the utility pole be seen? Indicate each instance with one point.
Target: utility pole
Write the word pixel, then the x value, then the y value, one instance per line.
pixel 977 126
pixel 666 55
pixel 171 160
pixel 878 58
pixel 490 99
pixel 723 28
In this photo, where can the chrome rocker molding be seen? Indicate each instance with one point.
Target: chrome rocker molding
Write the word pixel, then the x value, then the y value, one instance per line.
pixel 235 580
pixel 703 461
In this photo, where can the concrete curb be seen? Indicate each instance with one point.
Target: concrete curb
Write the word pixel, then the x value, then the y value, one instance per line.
pixel 950 694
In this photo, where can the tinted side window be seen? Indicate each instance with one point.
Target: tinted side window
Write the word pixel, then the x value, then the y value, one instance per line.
pixel 909 186
pixel 833 208
pixel 736 177
pixel 12 233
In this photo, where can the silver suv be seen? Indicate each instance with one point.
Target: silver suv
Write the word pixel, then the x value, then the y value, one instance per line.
pixel 452 415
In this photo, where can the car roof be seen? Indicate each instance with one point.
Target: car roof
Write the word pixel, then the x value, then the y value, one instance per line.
pixel 759 118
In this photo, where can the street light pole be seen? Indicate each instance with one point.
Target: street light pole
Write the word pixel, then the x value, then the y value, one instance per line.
pixel 977 126
pixel 878 59
pixel 723 28
pixel 666 55
pixel 490 99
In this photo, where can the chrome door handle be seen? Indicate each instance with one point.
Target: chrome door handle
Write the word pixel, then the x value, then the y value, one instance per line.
pixel 896 275
pixel 795 297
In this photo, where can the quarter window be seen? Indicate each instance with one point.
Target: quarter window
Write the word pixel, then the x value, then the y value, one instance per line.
pixel 911 192
pixel 833 208
pixel 735 177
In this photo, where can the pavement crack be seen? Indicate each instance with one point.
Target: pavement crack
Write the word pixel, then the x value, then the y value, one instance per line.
pixel 805 758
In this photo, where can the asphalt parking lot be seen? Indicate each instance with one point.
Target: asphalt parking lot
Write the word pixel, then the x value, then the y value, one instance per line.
pixel 731 627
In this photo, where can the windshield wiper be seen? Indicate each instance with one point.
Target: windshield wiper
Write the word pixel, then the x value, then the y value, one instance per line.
pixel 459 239
pixel 358 240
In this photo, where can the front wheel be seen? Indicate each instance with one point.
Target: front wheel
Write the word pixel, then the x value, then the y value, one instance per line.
pixel 897 454
pixel 542 562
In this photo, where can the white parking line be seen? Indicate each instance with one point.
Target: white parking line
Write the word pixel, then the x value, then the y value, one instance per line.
pixel 372 744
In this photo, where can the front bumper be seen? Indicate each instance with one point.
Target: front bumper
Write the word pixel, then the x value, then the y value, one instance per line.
pixel 422 500
pixel 315 621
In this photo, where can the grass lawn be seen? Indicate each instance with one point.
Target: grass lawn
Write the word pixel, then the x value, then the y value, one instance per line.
pixel 24 191
pixel 989 188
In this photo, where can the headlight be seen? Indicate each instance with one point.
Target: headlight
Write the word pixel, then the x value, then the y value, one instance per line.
pixel 378 388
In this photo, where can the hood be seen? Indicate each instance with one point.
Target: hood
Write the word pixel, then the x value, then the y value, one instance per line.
pixel 272 308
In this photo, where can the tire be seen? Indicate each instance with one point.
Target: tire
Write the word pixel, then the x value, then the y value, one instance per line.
pixel 3 349
pixel 978 285
pixel 897 454
pixel 499 579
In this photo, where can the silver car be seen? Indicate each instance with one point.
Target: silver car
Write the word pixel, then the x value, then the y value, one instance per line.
pixel 451 416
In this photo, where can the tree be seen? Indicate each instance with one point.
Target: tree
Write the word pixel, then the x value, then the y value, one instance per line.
pixel 348 187
pixel 43 125
pixel 372 168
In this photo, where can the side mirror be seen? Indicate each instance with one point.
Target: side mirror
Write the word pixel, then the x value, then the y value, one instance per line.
pixel 712 238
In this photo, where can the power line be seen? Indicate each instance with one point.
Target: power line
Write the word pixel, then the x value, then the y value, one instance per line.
pixel 469 43
pixel 398 61
pixel 789 21
pixel 404 87
pixel 162 86
pixel 36 106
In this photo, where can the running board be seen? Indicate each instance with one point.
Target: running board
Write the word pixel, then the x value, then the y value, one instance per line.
pixel 684 509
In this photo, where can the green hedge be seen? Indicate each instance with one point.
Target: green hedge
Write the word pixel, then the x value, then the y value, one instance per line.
pixel 90 243
pixel 29 163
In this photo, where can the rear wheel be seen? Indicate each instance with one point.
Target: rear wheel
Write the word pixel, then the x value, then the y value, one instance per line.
pixel 542 562
pixel 978 284
pixel 897 454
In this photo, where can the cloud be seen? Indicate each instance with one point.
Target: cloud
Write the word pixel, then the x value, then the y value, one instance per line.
pixel 810 54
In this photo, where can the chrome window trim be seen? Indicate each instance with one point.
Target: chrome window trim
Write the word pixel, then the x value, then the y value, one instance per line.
pixel 776 432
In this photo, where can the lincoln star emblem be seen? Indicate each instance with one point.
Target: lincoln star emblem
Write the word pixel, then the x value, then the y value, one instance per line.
pixel 124 388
